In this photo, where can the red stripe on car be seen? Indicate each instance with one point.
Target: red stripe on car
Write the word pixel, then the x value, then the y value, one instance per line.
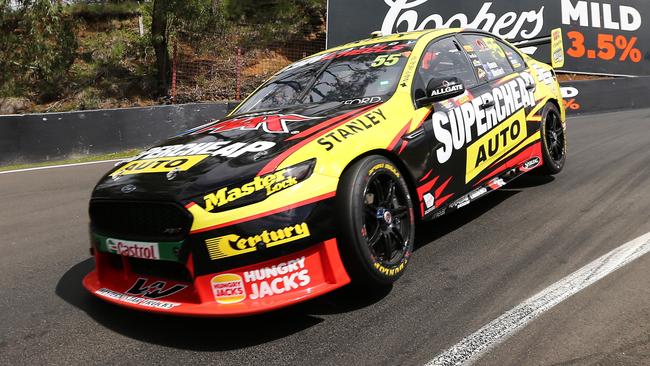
pixel 273 164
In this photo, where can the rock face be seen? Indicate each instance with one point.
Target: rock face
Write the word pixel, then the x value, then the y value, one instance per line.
pixel 14 105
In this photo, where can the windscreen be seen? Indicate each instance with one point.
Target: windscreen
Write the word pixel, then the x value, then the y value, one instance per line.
pixel 356 73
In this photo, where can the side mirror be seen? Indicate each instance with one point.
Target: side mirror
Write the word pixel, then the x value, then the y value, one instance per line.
pixel 441 89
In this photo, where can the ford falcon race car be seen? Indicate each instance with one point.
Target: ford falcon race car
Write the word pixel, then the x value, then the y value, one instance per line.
pixel 319 177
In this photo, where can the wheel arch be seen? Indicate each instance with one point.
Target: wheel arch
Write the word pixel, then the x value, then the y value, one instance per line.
pixel 556 103
pixel 403 168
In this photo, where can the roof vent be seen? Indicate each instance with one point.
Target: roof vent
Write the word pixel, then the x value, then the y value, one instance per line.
pixel 375 34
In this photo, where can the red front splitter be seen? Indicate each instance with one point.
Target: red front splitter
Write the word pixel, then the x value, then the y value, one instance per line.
pixel 248 290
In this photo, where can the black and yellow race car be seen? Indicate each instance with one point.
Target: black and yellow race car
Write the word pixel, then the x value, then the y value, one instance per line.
pixel 319 176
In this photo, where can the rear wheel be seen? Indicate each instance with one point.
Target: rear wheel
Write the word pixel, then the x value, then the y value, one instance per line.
pixel 376 222
pixel 553 141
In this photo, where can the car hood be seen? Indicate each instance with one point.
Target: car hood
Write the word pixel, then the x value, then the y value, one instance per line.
pixel 238 148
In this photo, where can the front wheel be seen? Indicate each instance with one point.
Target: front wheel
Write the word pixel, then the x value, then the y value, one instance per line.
pixel 376 223
pixel 553 141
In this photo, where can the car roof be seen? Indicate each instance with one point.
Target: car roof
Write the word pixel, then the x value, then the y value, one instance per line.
pixel 413 35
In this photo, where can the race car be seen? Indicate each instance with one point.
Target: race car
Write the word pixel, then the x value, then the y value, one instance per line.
pixel 319 177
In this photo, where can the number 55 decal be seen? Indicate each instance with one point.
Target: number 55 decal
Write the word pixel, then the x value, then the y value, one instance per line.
pixel 385 60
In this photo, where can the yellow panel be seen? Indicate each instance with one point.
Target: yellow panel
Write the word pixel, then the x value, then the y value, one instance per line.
pixel 159 165
pixel 495 144
pixel 557 48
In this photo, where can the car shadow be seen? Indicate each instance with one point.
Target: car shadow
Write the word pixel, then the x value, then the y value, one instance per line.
pixel 426 234
pixel 221 334
pixel 208 334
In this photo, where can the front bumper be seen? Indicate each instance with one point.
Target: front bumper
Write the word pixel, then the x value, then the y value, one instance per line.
pixel 246 290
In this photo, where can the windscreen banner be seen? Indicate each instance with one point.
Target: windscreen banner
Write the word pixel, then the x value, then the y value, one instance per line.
pixel 611 37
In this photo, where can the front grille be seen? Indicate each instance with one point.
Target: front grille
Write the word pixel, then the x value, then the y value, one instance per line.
pixel 161 269
pixel 140 220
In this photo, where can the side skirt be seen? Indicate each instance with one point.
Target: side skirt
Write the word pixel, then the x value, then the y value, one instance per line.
pixel 487 187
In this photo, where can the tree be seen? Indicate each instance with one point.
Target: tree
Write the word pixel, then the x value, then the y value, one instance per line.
pixel 184 19
pixel 287 16
pixel 38 45
pixel 159 17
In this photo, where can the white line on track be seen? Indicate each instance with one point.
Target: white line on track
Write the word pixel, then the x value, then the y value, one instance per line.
pixel 472 347
pixel 59 166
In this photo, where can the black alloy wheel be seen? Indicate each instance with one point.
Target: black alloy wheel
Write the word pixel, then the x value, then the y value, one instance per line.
pixel 376 225
pixel 554 141
pixel 554 136
pixel 386 221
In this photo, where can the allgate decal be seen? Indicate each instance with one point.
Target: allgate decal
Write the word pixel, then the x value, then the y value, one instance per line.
pixel 446 89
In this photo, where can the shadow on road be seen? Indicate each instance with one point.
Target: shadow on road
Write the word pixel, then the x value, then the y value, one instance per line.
pixel 201 334
pixel 204 334
pixel 428 232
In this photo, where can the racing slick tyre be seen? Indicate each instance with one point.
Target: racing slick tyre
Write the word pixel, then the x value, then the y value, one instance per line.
pixel 553 141
pixel 376 224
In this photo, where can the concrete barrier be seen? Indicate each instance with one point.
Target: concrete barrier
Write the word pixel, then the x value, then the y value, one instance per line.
pixel 592 96
pixel 47 136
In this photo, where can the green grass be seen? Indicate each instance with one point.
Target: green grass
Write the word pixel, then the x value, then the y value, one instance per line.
pixel 80 159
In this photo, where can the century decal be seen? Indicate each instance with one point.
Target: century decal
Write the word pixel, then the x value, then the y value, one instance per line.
pixel 164 159
pixel 460 126
pixel 269 184
pixel 351 129
pixel 233 244
pixel 446 88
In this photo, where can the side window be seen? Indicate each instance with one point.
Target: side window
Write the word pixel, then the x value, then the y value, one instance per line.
pixel 492 57
pixel 443 58
pixel 513 56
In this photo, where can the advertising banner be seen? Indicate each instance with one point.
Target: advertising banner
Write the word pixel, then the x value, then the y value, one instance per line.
pixel 50 136
pixel 586 96
pixel 611 37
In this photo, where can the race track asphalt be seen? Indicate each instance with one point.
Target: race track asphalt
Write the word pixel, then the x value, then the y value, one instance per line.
pixel 468 269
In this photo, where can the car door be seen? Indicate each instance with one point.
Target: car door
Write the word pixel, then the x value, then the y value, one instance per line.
pixel 443 177
pixel 505 130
